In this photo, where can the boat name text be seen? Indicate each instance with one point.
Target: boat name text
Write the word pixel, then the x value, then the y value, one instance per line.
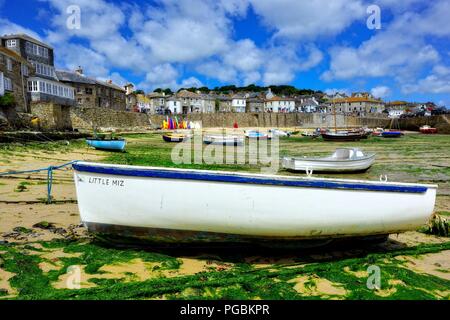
pixel 107 182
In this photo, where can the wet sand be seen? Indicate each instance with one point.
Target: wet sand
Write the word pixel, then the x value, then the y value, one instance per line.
pixel 23 207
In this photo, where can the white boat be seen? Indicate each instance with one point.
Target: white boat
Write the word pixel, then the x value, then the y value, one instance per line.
pixel 279 133
pixel 195 206
pixel 224 140
pixel 342 160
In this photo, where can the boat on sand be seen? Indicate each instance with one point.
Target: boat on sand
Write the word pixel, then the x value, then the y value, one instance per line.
pixel 175 137
pixel 138 202
pixel 223 140
pixel 342 160
pixel 427 130
pixel 114 144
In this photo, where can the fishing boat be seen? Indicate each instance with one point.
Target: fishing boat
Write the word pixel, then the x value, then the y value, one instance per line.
pixel 253 134
pixel 141 203
pixel 175 137
pixel 342 160
pixel 107 144
pixel 224 140
pixel 427 130
pixel 391 134
pixel 343 136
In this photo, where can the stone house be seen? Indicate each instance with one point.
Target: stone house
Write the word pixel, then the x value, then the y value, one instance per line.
pixel 174 105
pixel 238 103
pixel 94 93
pixel 279 104
pixel 308 104
pixel 143 104
pixel 208 103
pixel 224 103
pixel 191 102
pixel 14 71
pixel 255 103
pixel 43 86
pixel 157 102
pixel 130 97
pixel 360 104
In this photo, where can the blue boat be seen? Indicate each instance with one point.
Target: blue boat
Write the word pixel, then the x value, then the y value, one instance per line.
pixel 253 134
pixel 391 134
pixel 110 145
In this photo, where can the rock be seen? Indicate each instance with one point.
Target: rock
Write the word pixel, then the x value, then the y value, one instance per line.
pixel 44 225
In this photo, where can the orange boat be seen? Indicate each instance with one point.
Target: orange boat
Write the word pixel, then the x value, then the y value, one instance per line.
pixel 427 130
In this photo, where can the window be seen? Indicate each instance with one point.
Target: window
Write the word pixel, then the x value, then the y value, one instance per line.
pixel 11 43
pixel 24 70
pixel 8 84
pixel 9 65
pixel 88 90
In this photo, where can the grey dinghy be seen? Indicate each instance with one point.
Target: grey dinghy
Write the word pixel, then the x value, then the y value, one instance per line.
pixel 342 160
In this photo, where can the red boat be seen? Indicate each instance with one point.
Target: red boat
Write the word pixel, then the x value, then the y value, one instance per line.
pixel 428 130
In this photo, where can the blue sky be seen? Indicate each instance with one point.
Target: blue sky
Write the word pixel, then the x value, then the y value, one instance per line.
pixel 323 45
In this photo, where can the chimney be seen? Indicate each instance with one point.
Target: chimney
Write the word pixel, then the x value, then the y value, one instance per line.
pixel 110 81
pixel 79 70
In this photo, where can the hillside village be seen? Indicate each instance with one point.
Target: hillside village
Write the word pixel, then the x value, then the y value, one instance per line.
pixel 28 78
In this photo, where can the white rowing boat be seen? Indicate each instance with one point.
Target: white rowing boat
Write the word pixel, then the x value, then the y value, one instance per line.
pixel 224 140
pixel 342 160
pixel 189 206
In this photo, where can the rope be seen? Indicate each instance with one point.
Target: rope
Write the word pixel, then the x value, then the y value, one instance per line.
pixel 49 170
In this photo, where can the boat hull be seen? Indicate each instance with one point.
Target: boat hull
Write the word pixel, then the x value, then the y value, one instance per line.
pixel 393 134
pixel 109 145
pixel 319 165
pixel 169 138
pixel 263 207
pixel 428 131
pixel 224 141
pixel 343 137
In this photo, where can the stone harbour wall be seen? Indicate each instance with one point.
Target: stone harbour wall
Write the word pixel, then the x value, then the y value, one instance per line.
pixel 441 122
pixel 107 119
pixel 56 117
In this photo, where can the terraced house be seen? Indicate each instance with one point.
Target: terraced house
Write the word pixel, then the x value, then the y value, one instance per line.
pixel 93 93
pixel 43 85
pixel 358 103
pixel 14 71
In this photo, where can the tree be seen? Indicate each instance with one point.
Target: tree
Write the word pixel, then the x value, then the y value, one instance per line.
pixel 7 100
pixel 139 91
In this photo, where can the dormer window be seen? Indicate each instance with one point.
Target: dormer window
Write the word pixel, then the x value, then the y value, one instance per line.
pixel 11 43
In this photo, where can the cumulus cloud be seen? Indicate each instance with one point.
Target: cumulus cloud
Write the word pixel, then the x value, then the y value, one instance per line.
pixel 400 50
pixel 438 81
pixel 380 91
pixel 308 19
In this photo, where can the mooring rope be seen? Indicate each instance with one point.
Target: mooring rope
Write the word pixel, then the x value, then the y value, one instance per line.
pixel 49 170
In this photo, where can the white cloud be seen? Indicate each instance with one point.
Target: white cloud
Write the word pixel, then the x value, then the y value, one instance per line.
pixel 438 81
pixel 308 19
pixel 400 50
pixel 332 91
pixel 380 91
pixel 8 27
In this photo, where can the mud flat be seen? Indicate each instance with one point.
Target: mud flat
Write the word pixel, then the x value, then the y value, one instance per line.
pixel 42 246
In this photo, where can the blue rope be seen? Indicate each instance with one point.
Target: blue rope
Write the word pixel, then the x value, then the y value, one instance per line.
pixel 49 170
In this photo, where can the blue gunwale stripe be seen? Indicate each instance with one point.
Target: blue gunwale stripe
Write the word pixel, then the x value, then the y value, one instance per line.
pixel 221 177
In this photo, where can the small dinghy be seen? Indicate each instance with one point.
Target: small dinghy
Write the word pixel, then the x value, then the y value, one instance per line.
pixel 391 134
pixel 342 160
pixel 224 140
pixel 279 133
pixel 175 137
pixel 138 202
pixel 311 134
pixel 427 130
pixel 343 136
pixel 253 134
pixel 107 144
